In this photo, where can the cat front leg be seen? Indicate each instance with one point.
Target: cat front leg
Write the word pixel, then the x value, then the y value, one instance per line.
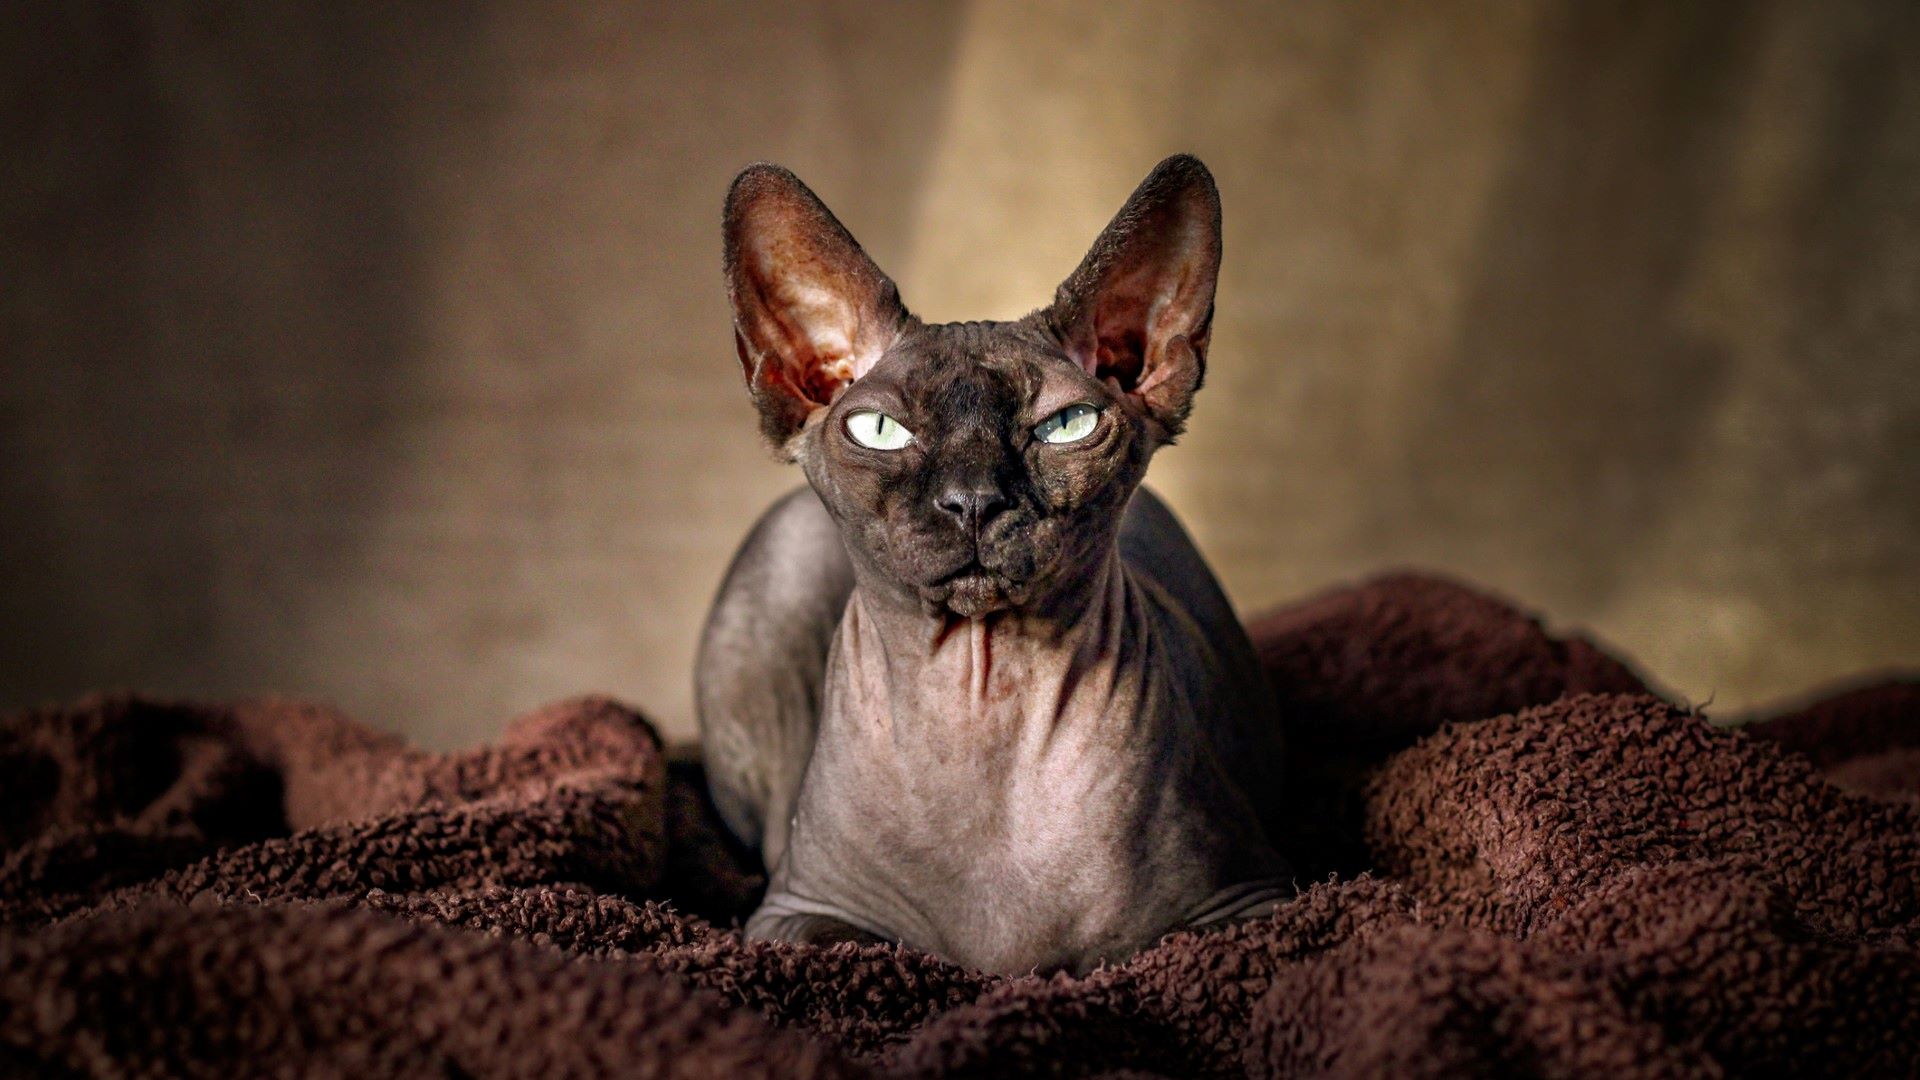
pixel 780 918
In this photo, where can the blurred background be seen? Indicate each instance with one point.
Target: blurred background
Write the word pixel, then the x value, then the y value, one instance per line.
pixel 378 352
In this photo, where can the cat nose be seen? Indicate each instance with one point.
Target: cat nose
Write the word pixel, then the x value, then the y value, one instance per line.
pixel 972 506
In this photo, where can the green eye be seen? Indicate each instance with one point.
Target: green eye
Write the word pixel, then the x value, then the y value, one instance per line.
pixel 877 430
pixel 1071 424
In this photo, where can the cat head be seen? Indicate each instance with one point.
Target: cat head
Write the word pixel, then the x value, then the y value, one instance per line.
pixel 973 466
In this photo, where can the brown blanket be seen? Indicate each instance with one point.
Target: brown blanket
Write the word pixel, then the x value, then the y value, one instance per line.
pixel 1496 877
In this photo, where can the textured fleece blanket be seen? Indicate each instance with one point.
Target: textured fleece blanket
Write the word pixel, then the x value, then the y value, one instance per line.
pixel 1514 859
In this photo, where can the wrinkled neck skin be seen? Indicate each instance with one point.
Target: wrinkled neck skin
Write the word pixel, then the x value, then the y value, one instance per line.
pixel 930 679
pixel 1030 789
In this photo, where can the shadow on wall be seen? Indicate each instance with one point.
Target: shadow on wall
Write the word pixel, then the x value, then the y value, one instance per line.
pixel 208 324
pixel 1680 368
pixel 1855 265
pixel 380 353
pixel 1567 390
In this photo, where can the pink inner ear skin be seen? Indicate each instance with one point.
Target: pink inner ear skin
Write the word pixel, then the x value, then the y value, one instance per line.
pixel 837 363
pixel 1135 312
pixel 1158 373
pixel 812 311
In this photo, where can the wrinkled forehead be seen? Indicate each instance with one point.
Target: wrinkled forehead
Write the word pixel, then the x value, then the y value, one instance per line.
pixel 975 373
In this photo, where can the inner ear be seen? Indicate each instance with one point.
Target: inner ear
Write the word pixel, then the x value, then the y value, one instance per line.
pixel 1139 308
pixel 812 312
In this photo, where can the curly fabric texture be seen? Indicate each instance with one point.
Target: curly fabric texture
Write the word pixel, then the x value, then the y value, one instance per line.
pixel 1515 859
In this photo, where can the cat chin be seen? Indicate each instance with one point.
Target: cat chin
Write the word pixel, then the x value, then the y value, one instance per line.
pixel 970 597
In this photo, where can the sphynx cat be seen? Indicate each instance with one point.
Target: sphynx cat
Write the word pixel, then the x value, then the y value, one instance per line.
pixel 973 690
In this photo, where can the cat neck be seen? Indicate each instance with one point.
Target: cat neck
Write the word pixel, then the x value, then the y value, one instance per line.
pixel 1010 669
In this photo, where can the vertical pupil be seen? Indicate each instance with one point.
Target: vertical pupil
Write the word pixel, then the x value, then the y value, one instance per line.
pixel 1069 424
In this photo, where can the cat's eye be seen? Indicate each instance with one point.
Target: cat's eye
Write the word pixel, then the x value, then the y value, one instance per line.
pixel 1071 424
pixel 877 431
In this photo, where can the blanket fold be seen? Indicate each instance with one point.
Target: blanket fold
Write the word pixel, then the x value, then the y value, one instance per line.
pixel 1514 856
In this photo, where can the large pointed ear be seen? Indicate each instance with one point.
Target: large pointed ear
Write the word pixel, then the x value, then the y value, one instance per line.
pixel 1139 309
pixel 811 312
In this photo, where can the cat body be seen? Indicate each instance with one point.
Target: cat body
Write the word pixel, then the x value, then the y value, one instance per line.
pixel 973 690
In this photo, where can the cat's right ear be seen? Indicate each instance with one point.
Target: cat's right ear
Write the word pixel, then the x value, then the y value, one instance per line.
pixel 811 312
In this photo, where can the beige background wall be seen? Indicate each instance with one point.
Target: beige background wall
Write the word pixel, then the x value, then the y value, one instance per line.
pixel 378 352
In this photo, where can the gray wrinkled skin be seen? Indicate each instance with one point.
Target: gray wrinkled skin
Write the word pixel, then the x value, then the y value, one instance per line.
pixel 980 695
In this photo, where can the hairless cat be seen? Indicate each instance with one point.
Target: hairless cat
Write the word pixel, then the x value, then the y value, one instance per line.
pixel 973 690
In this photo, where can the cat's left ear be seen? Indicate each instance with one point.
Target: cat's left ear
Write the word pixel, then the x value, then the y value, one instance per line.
pixel 811 312
pixel 1139 310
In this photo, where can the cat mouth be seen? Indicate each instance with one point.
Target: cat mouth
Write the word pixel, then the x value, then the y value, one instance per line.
pixel 970 590
pixel 970 568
